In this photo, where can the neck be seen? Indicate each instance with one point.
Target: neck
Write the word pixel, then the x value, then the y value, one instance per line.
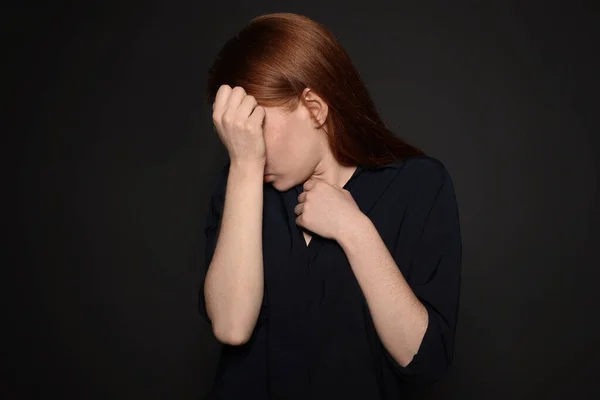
pixel 333 173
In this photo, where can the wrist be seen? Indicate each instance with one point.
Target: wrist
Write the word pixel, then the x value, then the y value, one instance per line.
pixel 247 162
pixel 354 229
pixel 247 176
pixel 247 168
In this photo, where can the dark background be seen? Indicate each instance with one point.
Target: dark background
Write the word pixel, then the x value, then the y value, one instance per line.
pixel 114 160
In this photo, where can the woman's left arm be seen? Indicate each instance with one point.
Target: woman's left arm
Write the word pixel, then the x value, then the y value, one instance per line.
pixel 399 317
pixel 415 320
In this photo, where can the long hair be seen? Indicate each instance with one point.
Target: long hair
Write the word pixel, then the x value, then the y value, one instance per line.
pixel 276 56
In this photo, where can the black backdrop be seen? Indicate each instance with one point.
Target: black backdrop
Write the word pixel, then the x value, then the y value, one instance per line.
pixel 115 159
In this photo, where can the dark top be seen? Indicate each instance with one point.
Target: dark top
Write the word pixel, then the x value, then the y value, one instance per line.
pixel 314 337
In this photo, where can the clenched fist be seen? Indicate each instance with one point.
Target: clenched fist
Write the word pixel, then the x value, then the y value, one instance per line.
pixel 238 120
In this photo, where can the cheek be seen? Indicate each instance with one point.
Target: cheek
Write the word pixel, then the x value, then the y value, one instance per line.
pixel 276 146
pixel 285 144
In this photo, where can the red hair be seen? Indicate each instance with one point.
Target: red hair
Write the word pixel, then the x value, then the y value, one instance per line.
pixel 276 56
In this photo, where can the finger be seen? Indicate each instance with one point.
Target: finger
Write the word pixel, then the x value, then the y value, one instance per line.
pixel 309 184
pixel 247 106
pixel 299 209
pixel 301 197
pixel 257 118
pixel 221 100
pixel 235 98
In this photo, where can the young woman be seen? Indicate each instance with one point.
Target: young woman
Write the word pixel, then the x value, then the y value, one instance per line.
pixel 333 250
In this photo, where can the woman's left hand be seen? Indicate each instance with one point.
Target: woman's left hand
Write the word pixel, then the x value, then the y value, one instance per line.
pixel 325 209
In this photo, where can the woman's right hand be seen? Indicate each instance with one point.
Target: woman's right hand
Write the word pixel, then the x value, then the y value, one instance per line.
pixel 238 120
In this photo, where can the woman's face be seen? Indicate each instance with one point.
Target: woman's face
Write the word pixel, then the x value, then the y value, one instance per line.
pixel 293 146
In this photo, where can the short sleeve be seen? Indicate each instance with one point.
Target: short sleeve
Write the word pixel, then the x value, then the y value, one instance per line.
pixel 429 247
pixel 212 225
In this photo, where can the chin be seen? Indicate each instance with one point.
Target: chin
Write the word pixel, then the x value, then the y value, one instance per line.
pixel 279 185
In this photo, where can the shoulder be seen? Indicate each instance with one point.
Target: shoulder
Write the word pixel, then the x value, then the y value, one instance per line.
pixel 426 171
pixel 424 182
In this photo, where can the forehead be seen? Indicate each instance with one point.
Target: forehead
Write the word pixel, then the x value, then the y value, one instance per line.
pixel 277 114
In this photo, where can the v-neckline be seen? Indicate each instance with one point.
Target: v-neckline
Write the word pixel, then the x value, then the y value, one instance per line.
pixel 309 241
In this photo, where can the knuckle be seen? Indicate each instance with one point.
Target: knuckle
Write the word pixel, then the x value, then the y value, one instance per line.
pixel 239 125
pixel 227 119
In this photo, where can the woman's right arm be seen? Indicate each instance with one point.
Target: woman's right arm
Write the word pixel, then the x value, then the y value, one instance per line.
pixel 233 286
pixel 234 283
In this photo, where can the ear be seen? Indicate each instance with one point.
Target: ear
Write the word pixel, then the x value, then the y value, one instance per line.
pixel 315 105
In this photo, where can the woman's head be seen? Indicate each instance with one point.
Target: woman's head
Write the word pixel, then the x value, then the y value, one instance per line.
pixel 295 145
pixel 315 101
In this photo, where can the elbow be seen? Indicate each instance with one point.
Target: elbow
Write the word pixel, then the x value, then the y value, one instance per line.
pixel 229 331
pixel 426 367
pixel 404 363
pixel 229 336
pixel 434 357
pixel 232 339
pixel 425 374
pixel 226 330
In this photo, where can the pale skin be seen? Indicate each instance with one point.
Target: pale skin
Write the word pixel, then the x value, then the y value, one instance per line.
pixel 399 317
pixel 295 151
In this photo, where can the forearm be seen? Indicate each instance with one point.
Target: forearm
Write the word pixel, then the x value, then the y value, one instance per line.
pixel 399 317
pixel 234 281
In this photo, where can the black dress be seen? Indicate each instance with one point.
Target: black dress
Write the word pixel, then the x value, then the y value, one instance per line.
pixel 315 338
